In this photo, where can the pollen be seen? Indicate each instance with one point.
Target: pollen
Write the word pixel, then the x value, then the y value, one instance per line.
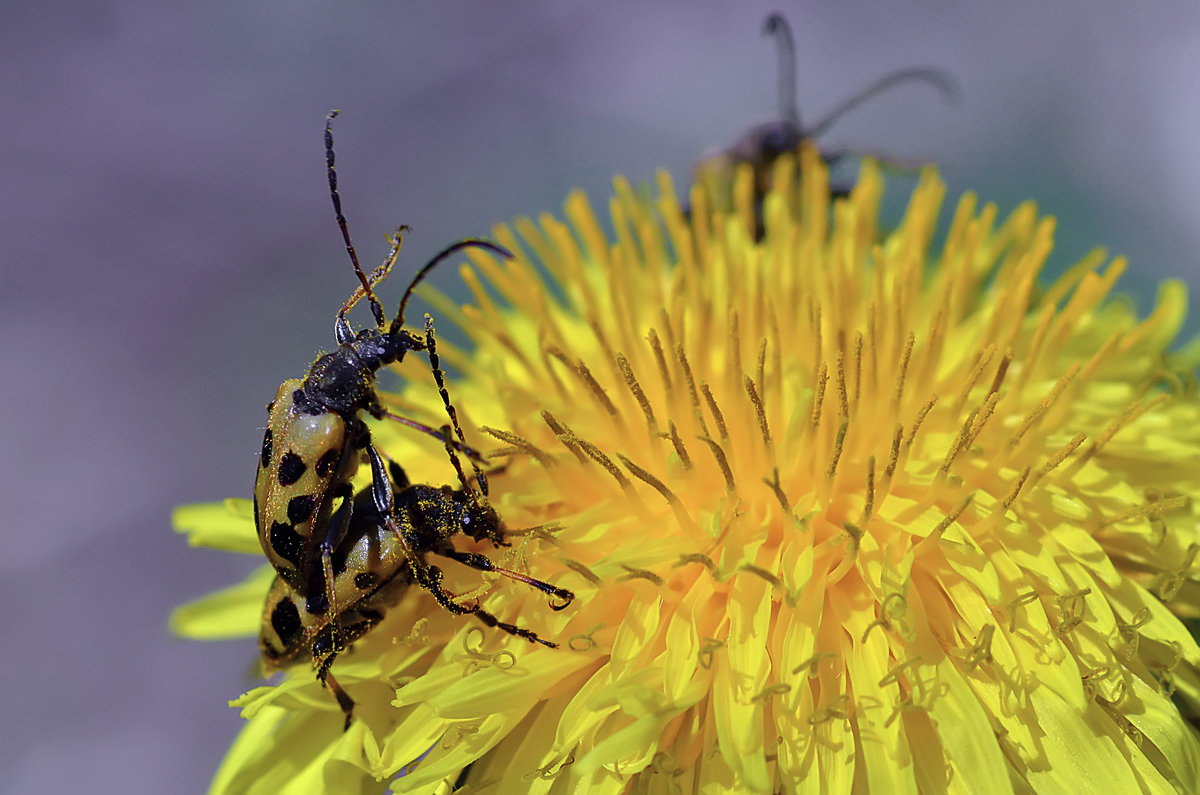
pixel 845 508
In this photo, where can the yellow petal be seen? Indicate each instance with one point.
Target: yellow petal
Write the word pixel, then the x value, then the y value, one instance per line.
pixel 225 525
pixel 233 612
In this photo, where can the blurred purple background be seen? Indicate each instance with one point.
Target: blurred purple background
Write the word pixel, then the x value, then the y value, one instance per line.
pixel 170 254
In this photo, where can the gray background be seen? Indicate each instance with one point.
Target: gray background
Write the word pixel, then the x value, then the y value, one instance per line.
pixel 169 254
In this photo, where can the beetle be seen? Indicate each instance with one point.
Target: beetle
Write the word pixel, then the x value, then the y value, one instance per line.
pixel 316 437
pixel 763 144
pixel 372 569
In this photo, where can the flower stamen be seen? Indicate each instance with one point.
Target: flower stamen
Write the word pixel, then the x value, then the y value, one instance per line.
pixel 636 389
pixel 905 358
pixel 677 443
pixel 919 420
pixel 1071 607
pixel 819 397
pixel 761 412
pixel 1174 580
pixel 716 412
pixel 521 444
pixel 722 462
pixel 1020 601
pixel 1147 511
pixel 1032 418
pixel 981 652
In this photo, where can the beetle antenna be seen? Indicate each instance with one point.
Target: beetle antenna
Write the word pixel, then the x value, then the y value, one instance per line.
pixel 398 320
pixel 939 79
pixel 777 26
pixel 376 307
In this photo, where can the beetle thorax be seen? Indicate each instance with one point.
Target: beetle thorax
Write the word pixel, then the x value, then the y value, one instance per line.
pixel 344 380
pixel 340 381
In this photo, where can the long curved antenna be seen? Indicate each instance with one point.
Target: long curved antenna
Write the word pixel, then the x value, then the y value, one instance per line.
pixel 777 26
pixel 398 320
pixel 939 79
pixel 376 307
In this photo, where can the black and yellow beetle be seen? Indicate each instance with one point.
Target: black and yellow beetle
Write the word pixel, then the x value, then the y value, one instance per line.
pixel 316 437
pixel 372 566
pixel 763 144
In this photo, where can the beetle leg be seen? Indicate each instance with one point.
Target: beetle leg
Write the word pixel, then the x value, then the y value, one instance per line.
pixel 381 492
pixel 484 563
pixel 436 433
pixel 512 629
pixel 338 527
pixel 381 484
pixel 339 524
pixel 323 658
pixel 331 595
pixel 430 578
pixel 343 698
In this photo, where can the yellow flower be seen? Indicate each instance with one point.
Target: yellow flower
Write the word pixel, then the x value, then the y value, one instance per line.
pixel 843 513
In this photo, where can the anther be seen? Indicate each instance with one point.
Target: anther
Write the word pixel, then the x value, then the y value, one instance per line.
pixel 722 462
pixel 819 395
pixel 831 467
pixel 716 411
pixel 676 504
pixel 904 360
pixel 677 443
pixel 638 395
pixel 761 412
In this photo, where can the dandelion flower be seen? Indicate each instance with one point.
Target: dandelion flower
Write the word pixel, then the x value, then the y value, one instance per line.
pixel 845 511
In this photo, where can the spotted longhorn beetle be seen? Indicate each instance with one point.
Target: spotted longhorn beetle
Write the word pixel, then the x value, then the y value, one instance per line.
pixel 315 435
pixel 373 567
pixel 763 144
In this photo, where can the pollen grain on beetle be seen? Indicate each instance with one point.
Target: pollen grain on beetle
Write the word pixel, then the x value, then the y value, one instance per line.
pixel 843 510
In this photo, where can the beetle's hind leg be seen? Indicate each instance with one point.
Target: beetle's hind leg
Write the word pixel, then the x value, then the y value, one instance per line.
pixel 325 651
pixel 483 563
pixel 430 578
pixel 343 698
pixel 511 629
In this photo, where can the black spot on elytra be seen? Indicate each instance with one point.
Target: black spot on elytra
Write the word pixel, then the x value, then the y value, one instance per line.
pixel 317 603
pixel 268 649
pixel 267 448
pixel 285 620
pixel 287 543
pixel 327 462
pixel 291 467
pixel 365 580
pixel 300 508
